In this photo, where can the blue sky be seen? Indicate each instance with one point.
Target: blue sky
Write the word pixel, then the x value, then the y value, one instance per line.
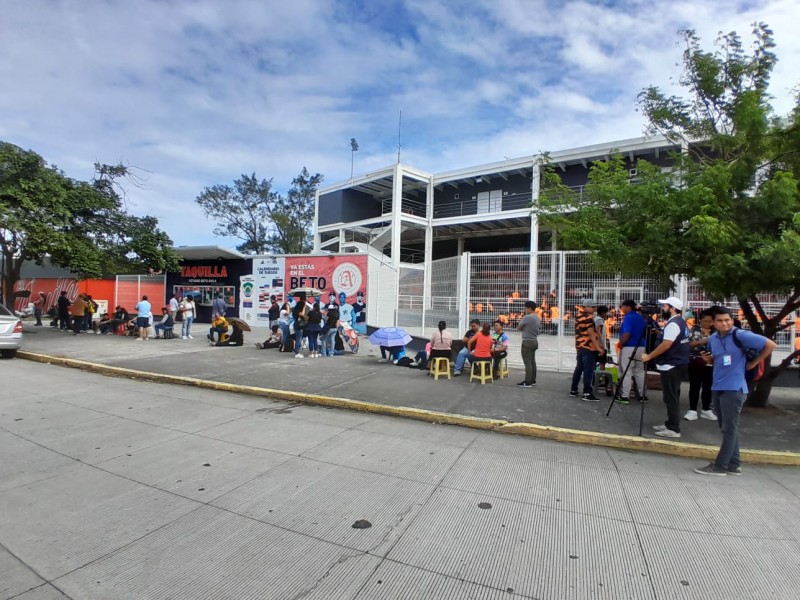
pixel 194 93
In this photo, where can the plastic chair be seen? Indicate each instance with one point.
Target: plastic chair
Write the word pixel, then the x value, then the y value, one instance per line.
pixel 484 371
pixel 440 366
pixel 502 368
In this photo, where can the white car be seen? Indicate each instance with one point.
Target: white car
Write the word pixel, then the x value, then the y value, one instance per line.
pixel 10 333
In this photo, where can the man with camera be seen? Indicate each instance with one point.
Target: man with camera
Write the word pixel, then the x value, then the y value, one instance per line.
pixel 672 360
pixel 630 348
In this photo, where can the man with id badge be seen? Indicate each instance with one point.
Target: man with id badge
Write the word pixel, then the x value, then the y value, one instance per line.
pixel 728 353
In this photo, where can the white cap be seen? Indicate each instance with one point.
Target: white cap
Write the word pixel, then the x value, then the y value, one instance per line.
pixel 674 302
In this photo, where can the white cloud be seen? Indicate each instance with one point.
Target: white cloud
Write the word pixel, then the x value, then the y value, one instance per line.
pixel 196 93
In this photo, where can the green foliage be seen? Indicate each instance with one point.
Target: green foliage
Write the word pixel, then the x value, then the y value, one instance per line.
pixel 79 225
pixel 728 212
pixel 264 220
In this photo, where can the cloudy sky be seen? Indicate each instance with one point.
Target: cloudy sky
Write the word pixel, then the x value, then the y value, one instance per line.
pixel 195 93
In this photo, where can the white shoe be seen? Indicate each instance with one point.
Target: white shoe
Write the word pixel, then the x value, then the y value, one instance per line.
pixel 691 415
pixel 139 339
pixel 298 356
pixel 667 433
pixel 190 337
pixel 659 427
pixel 708 414
pixel 382 360
pixel 183 337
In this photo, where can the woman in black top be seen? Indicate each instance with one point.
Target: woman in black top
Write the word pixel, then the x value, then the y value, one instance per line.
pixel 300 316
pixel 313 329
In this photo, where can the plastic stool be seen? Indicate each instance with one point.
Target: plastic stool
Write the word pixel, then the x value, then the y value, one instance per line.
pixel 121 330
pixel 604 380
pixel 502 368
pixel 484 372
pixel 441 366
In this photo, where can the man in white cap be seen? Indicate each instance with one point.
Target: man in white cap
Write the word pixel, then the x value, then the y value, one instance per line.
pixel 672 360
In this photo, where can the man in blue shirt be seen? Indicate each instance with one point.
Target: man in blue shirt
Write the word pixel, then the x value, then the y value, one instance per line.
pixel 631 346
pixel 728 346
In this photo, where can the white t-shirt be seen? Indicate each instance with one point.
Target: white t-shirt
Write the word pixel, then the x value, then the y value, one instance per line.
pixel 671 333
pixel 173 305
pixel 187 308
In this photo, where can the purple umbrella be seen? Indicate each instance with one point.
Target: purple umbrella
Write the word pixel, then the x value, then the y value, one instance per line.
pixel 390 336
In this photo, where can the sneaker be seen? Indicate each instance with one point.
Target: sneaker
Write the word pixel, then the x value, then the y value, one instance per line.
pixel 524 384
pixel 643 399
pixel 589 397
pixel 259 345
pixel 659 427
pixel 183 337
pixel 137 339
pixel 734 471
pixel 711 469
pixel 708 414
pixel 190 337
pixel 456 373
pixel 573 393
pixel 667 433
pixel 298 356
pixel 533 383
pixel 623 400
pixel 691 415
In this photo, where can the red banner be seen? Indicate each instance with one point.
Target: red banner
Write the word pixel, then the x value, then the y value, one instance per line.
pixel 338 274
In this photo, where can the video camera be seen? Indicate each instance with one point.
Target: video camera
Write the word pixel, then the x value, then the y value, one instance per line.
pixel 649 309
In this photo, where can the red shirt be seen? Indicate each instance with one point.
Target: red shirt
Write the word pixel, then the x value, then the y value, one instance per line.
pixel 483 346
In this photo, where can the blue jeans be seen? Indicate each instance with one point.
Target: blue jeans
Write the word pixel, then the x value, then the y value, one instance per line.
pixel 585 363
pixel 298 341
pixel 728 406
pixel 284 333
pixel 186 328
pixel 313 336
pixel 461 358
pixel 328 342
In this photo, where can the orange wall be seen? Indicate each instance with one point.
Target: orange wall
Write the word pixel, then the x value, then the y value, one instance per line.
pixel 99 289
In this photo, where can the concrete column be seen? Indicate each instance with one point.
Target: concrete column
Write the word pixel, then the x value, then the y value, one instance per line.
pixel 397 214
pixel 316 223
pixel 533 269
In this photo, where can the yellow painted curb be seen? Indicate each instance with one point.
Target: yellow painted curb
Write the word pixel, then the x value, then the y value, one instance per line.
pixel 561 434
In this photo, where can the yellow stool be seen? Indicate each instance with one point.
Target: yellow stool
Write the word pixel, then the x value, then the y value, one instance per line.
pixel 485 371
pixel 502 368
pixel 441 366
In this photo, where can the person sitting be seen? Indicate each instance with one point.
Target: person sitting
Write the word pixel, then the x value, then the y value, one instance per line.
pixel 499 348
pixel 103 325
pixel 395 353
pixel 219 326
pixel 120 317
pixel 166 324
pixel 480 345
pixel 463 354
pixel 275 339
pixel 441 344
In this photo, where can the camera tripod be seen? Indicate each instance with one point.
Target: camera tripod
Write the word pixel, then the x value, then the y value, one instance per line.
pixel 644 337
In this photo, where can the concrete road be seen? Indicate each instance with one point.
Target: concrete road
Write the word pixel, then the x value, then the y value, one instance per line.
pixel 115 489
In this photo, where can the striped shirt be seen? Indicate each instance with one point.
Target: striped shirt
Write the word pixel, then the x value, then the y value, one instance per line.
pixel 584 325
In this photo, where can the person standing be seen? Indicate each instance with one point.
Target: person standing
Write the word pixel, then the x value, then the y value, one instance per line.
pixel 701 376
pixel 219 306
pixel 313 329
pixel 144 312
pixel 274 311
pixel 173 308
pixel 284 322
pixel 300 319
pixel 729 346
pixel 188 314
pixel 78 312
pixel 38 308
pixel 672 360
pixel 586 346
pixel 529 326
pixel 630 348
pixel 330 331
pixel 63 311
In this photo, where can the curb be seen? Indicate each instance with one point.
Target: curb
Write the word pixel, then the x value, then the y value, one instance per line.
pixel 560 434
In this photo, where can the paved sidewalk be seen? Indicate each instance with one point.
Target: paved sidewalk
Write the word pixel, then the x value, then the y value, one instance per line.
pixel 116 489
pixel 361 377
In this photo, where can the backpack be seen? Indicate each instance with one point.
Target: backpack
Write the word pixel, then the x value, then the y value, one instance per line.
pixel 755 373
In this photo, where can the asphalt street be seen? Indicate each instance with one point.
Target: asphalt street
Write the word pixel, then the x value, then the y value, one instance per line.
pixel 362 377
pixel 113 489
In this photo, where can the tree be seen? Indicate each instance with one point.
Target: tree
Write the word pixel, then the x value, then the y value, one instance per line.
pixel 264 220
pixel 293 215
pixel 79 225
pixel 728 214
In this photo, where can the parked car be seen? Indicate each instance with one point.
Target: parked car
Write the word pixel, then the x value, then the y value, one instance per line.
pixel 10 333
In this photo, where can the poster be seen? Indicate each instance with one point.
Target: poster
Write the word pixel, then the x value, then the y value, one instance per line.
pixel 269 275
pixel 344 276
pixel 247 299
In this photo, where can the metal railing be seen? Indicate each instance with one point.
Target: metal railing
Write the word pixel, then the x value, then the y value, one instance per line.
pixel 475 207
pixel 408 206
